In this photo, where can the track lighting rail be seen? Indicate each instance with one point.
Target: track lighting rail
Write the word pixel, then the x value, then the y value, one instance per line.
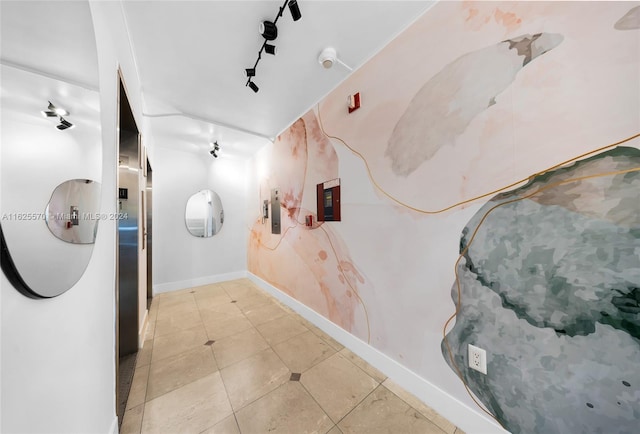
pixel 269 32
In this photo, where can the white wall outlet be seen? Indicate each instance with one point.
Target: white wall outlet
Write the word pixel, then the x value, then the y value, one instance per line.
pixel 478 359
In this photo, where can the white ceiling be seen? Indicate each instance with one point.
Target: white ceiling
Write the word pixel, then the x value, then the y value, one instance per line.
pixel 191 57
pixel 52 38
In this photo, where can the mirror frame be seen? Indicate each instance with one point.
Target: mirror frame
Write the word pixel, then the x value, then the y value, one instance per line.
pixel 11 271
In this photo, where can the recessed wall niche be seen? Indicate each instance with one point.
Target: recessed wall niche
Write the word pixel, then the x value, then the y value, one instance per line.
pixel 328 198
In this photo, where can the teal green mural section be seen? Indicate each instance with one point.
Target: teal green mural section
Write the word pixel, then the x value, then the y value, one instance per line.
pixel 549 279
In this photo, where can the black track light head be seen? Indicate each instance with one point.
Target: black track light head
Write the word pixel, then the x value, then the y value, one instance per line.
pixel 254 87
pixel 64 124
pixel 271 49
pixel 295 10
pixel 213 153
pixel 268 30
pixel 250 72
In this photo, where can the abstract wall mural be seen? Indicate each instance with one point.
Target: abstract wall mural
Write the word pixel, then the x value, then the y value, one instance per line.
pixel 503 122
pixel 630 20
pixel 312 264
pixel 549 278
pixel 444 107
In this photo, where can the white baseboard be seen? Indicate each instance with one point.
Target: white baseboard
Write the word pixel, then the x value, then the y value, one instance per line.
pixel 114 426
pixel 468 419
pixel 199 281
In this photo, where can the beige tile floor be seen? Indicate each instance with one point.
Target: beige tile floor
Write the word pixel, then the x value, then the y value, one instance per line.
pixel 228 358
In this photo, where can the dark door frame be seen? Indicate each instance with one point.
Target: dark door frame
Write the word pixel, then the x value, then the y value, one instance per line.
pixel 132 125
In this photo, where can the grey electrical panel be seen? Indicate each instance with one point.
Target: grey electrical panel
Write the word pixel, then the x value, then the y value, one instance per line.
pixel 275 210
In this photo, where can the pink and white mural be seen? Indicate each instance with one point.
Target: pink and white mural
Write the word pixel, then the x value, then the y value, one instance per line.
pixel 314 258
pixel 475 104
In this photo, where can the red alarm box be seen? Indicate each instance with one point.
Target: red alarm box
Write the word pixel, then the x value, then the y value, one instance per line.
pixel 308 220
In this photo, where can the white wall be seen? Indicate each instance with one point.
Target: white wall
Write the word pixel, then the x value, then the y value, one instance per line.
pixel 58 355
pixel 181 260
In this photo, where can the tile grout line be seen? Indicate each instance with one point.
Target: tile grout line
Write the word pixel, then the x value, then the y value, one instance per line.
pixel 308 369
pixel 151 362
pixel 215 360
pixel 411 406
pixel 345 348
pixel 203 325
pixel 247 291
pixel 248 403
pixel 233 411
pixel 356 406
pixel 316 401
pixel 226 391
pixel 270 346
pixel 168 357
pixel 286 340
pixel 379 383
pixel 146 387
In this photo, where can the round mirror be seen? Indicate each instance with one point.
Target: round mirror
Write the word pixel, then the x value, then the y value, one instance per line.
pixel 73 211
pixel 204 215
pixel 51 162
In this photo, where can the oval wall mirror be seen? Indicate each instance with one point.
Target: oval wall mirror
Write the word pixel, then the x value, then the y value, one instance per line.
pixel 73 212
pixel 204 215
pixel 51 144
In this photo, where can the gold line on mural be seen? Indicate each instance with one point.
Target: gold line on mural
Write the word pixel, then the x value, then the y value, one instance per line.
pixel 473 199
pixel 366 314
pixel 524 180
pixel 279 241
pixel 471 239
pixel 335 253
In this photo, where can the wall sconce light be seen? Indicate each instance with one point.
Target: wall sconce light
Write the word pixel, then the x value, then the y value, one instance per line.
pixel 269 32
pixel 53 111
pixel 64 124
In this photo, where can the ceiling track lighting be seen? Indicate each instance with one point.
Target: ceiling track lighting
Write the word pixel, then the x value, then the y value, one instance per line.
pixel 269 31
pixel 216 148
